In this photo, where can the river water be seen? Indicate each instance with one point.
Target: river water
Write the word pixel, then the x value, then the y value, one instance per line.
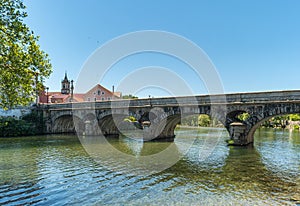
pixel 71 170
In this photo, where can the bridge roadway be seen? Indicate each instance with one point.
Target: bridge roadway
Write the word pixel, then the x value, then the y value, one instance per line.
pixel 163 114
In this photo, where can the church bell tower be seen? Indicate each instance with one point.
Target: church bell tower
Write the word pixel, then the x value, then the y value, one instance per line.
pixel 65 85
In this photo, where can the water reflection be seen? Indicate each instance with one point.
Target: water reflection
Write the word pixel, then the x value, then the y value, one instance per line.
pixel 60 170
pixel 281 154
pixel 133 146
pixel 130 156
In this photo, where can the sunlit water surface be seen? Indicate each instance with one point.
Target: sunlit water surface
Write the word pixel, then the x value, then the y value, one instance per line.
pixel 57 170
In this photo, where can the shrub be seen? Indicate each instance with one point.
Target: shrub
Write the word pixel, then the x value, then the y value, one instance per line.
pixel 30 124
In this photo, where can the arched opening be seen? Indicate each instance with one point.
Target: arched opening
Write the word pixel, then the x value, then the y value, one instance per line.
pixel 287 121
pixel 120 125
pixel 109 124
pixel 176 124
pixel 200 120
pixel 282 121
pixel 68 124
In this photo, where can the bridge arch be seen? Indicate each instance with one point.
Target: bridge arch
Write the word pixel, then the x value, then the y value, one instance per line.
pixel 258 114
pixel 109 124
pixel 256 124
pixel 171 122
pixel 56 115
pixel 68 123
pixel 109 120
pixel 166 128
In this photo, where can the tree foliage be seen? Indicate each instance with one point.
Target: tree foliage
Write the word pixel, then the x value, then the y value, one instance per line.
pixel 294 117
pixel 204 120
pixel 23 65
pixel 201 120
pixel 129 96
pixel 281 121
pixel 243 116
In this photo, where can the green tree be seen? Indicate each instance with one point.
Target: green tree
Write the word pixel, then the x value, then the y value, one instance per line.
pixel 129 96
pixel 243 116
pixel 294 117
pixel 204 120
pixel 23 65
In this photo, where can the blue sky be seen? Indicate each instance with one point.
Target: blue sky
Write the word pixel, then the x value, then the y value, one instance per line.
pixel 254 45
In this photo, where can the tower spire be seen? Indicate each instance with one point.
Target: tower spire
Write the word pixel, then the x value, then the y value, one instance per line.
pixel 66 76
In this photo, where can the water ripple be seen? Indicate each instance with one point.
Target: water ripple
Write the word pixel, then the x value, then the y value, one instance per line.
pixel 56 170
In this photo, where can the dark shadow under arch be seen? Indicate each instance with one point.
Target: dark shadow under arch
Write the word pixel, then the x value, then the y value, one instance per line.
pixel 68 124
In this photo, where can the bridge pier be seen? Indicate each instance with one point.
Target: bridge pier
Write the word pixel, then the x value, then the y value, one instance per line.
pixel 48 127
pixel 239 135
pixel 88 130
pixel 91 128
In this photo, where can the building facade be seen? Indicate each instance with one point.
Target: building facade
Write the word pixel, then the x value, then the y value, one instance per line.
pixel 97 93
pixel 100 93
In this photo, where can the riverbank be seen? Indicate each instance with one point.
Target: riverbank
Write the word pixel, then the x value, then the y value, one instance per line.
pixel 26 125
pixel 292 126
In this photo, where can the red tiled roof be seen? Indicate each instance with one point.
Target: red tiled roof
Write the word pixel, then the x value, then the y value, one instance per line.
pixel 59 96
pixel 77 97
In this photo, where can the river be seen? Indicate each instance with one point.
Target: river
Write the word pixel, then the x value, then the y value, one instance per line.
pixel 199 169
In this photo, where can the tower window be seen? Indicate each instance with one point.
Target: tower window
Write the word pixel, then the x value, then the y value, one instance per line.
pixel 99 92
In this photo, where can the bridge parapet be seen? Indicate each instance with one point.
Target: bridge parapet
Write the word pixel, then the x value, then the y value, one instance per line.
pixel 271 96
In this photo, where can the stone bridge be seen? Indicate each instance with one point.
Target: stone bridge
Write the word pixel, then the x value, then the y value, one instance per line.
pixel 158 117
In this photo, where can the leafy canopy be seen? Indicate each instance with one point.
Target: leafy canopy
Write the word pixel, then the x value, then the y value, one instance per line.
pixel 23 65
pixel 129 96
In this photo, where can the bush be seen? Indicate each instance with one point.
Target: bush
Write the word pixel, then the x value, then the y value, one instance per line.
pixel 204 120
pixel 30 124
